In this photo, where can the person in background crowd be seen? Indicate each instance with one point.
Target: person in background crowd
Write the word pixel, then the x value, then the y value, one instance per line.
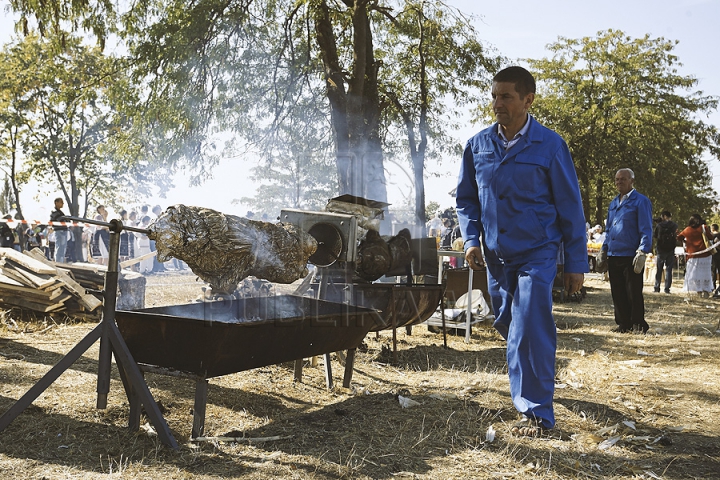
pixel 628 239
pixel 665 236
pixel 157 266
pixel 34 238
pixel 598 235
pixel 7 237
pixel 50 251
pixel 458 245
pixel 143 247
pixel 434 225
pixel 716 260
pixel 698 269
pixel 59 230
pixel 514 174
pixel 20 238
pixel 101 237
pixel 70 249
pixel 125 238
pixel 87 242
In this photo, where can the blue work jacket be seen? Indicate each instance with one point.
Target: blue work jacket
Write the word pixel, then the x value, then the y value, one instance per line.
pixel 523 203
pixel 629 226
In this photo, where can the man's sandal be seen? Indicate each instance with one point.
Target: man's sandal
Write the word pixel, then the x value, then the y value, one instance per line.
pixel 528 427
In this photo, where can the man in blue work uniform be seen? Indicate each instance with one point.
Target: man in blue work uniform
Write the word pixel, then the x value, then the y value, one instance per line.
pixel 628 240
pixel 519 197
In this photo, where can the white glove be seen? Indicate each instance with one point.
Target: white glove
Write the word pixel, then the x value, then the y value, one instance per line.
pixel 639 261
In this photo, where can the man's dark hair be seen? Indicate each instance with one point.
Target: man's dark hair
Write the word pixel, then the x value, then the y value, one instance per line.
pixel 60 199
pixel 523 80
pixel 666 213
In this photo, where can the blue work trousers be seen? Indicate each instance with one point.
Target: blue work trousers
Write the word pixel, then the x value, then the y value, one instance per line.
pixel 522 301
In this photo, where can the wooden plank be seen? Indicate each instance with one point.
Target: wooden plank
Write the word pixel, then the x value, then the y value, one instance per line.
pixel 91 269
pixel 9 281
pixel 30 294
pixel 25 276
pixel 40 307
pixel 86 300
pixel 135 260
pixel 19 289
pixel 18 277
pixel 25 260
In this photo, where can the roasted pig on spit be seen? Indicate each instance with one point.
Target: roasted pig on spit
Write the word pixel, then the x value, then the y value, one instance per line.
pixel 224 249
pixel 378 255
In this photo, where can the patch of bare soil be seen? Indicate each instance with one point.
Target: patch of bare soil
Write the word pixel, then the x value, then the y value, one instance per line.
pixel 628 406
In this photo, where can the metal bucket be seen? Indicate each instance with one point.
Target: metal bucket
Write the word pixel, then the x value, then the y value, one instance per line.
pixel 396 305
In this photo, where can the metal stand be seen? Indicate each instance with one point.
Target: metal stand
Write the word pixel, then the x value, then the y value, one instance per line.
pixel 468 313
pixel 111 341
pixel 323 280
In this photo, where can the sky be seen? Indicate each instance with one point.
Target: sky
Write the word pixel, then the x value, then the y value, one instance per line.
pixel 518 29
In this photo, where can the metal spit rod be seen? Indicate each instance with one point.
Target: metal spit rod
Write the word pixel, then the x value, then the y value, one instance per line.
pixel 114 225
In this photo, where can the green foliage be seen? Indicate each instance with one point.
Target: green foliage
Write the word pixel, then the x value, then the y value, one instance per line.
pixel 430 210
pixel 61 117
pixel 301 181
pixel 435 66
pixel 364 73
pixel 619 102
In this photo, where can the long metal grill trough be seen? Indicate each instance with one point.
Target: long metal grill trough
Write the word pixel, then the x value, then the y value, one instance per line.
pixel 210 339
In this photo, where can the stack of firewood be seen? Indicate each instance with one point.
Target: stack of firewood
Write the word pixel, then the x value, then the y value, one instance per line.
pixel 31 281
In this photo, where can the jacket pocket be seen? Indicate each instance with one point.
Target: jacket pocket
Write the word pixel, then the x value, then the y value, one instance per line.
pixel 530 171
pixel 484 168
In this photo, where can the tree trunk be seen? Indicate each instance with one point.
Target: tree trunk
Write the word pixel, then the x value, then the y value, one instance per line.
pixel 599 211
pixel 355 112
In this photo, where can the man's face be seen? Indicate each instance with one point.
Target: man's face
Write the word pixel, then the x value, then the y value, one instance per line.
pixel 509 108
pixel 623 182
pixel 59 204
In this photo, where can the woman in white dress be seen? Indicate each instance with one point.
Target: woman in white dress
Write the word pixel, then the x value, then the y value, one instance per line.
pixel 698 270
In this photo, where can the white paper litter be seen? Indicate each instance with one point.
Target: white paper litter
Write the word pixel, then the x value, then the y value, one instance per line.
pixel 632 363
pixel 490 434
pixel 407 402
pixel 608 443
pixel 629 424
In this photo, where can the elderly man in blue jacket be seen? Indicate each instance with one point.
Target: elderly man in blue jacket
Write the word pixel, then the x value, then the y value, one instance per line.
pixel 518 196
pixel 628 239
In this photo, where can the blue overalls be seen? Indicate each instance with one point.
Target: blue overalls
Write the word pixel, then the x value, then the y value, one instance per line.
pixel 522 204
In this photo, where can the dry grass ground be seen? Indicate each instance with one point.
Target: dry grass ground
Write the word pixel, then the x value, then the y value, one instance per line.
pixel 628 406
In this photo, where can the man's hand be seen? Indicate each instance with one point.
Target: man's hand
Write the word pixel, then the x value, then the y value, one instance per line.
pixel 474 257
pixel 639 261
pixel 573 282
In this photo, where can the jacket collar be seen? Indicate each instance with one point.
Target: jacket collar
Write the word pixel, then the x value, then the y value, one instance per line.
pixel 533 134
